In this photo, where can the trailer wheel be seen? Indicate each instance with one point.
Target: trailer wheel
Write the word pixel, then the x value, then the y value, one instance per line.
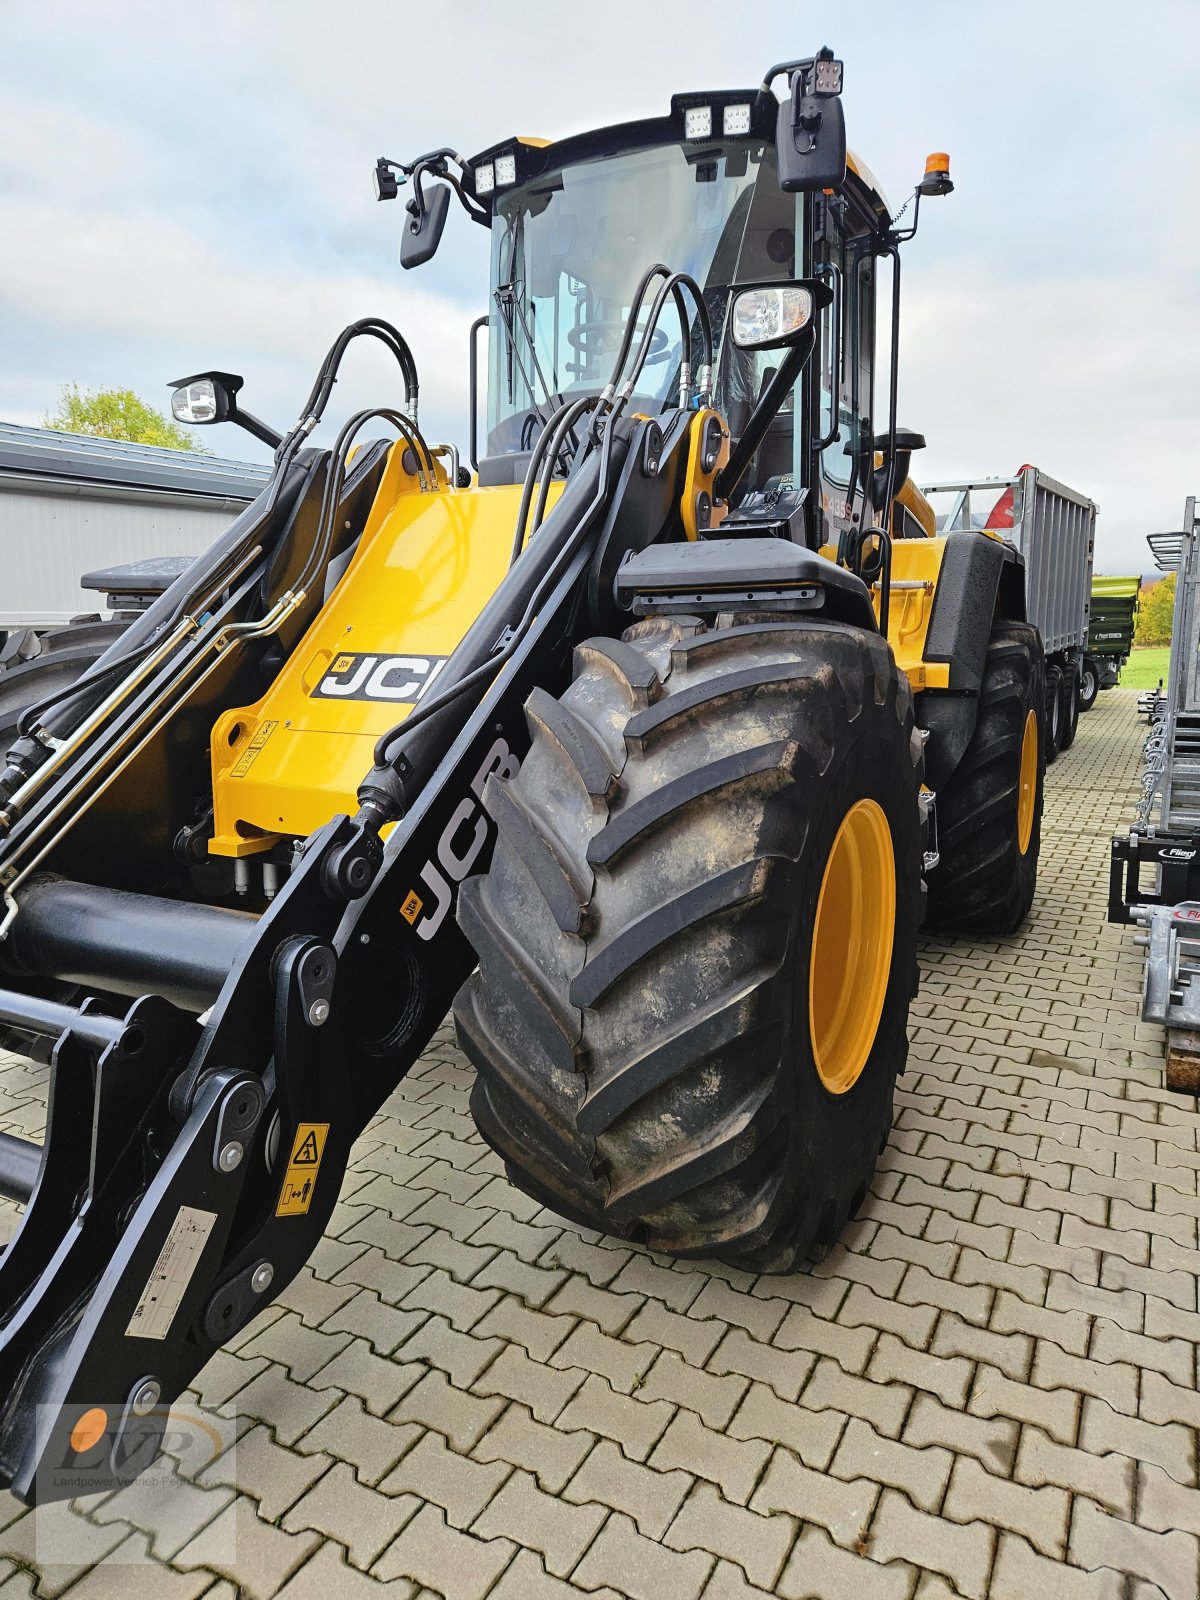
pixel 1089 684
pixel 1053 712
pixel 989 814
pixel 697 937
pixel 63 656
pixel 1069 719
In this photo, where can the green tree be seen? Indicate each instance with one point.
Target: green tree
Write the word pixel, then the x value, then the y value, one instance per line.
pixel 119 414
pixel 1157 603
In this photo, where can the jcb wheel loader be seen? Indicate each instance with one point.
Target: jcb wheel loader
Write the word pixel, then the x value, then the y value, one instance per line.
pixel 645 740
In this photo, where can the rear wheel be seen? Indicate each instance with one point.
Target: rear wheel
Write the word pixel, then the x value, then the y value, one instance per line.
pixel 989 813
pixel 1053 713
pixel 1089 684
pixel 1069 720
pixel 62 656
pixel 697 937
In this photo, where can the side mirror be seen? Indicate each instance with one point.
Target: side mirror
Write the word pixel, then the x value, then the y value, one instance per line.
pixel 771 316
pixel 810 135
pixel 205 397
pixel 423 230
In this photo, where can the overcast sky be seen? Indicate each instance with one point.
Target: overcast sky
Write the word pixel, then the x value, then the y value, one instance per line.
pixel 190 187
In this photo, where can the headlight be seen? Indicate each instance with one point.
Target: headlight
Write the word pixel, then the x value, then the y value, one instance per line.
pixel 195 402
pixel 697 122
pixel 485 178
pixel 735 121
pixel 506 169
pixel 769 316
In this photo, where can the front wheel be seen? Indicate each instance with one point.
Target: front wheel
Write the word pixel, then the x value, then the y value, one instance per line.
pixel 1089 684
pixel 989 812
pixel 697 937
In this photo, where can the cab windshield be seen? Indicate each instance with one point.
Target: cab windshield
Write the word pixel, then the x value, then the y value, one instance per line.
pixel 568 251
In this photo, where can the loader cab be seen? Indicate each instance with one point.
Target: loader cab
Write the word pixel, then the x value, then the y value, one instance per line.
pixel 575 224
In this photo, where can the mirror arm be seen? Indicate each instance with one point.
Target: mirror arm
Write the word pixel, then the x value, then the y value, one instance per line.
pixel 252 424
pixel 763 415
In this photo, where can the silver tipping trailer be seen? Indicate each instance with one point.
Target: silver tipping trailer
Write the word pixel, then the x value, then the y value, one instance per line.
pixel 1054 528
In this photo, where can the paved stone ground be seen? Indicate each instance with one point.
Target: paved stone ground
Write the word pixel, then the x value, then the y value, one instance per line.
pixel 988 1389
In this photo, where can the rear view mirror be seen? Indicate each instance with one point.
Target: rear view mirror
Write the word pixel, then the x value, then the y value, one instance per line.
pixel 426 220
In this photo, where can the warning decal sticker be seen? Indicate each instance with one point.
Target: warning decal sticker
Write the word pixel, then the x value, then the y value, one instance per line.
pixel 171 1274
pixel 300 1179
pixel 251 753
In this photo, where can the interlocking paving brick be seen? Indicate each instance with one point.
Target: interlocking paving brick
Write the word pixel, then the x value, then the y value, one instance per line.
pixel 352 1434
pixel 642 1276
pixel 360 1518
pixel 263 1557
pixel 303 1351
pixel 372 1319
pixel 995 1395
pixel 694 1340
pixel 803 1330
pixel 377 1382
pixel 462 1356
pixel 538 1332
pixel 167 1508
pixel 580 1299
pixel 1112 1381
pixel 327 1576
pixel 1069 1330
pixel 949 1377
pixel 1163 1401
pixel 819 1570
pixel 517 1439
pixel 289 1409
pixel 624 1365
pixel 1107 1479
pixel 760 1317
pixel 58 1528
pixel 1167 1445
pixel 636 1424
pixel 842 1508
pixel 1164 1504
pixel 640 1568
pixel 785 1371
pixel 543 1389
pixel 271 1475
pixel 650 1497
pixel 732 1464
pixel 1010 1352
pixel 541 1522
pixel 883 1404
pixel 434 1472
pixel 128 1572
pixel 438 1404
pixel 962 1552
pixel 451 1563
pixel 713 1398
pixel 921 1473
pixel 1169 1560
pixel 1039 1514
pixel 758 1544
pixel 812 1435
pixel 507 1271
pixel 1173 1358
pixel 1020 1573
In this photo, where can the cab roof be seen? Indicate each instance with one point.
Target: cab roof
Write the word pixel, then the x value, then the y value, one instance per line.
pixel 533 156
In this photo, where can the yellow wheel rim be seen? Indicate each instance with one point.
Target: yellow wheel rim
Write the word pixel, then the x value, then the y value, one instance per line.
pixel 852 946
pixel 1027 794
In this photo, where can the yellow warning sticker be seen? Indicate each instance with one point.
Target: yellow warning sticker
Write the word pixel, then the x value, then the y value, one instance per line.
pixel 251 753
pixel 411 909
pixel 300 1179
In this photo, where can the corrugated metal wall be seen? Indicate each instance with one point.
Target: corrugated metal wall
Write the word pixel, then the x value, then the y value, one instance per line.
pixel 48 539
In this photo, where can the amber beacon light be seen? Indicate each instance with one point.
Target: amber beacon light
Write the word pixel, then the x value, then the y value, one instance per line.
pixel 937 174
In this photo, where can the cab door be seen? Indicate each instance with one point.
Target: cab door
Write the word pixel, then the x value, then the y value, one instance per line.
pixel 843 256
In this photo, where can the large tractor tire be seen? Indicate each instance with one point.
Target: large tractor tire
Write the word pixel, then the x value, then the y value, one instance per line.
pixel 989 814
pixel 1089 684
pixel 63 656
pixel 1069 721
pixel 1053 712
pixel 697 937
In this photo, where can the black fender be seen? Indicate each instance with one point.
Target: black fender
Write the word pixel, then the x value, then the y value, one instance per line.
pixel 981 582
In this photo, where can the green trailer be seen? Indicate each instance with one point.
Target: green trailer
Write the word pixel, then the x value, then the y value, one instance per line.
pixel 1110 636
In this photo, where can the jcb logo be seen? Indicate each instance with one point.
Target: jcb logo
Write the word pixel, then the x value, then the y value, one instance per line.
pixel 463 837
pixel 360 677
